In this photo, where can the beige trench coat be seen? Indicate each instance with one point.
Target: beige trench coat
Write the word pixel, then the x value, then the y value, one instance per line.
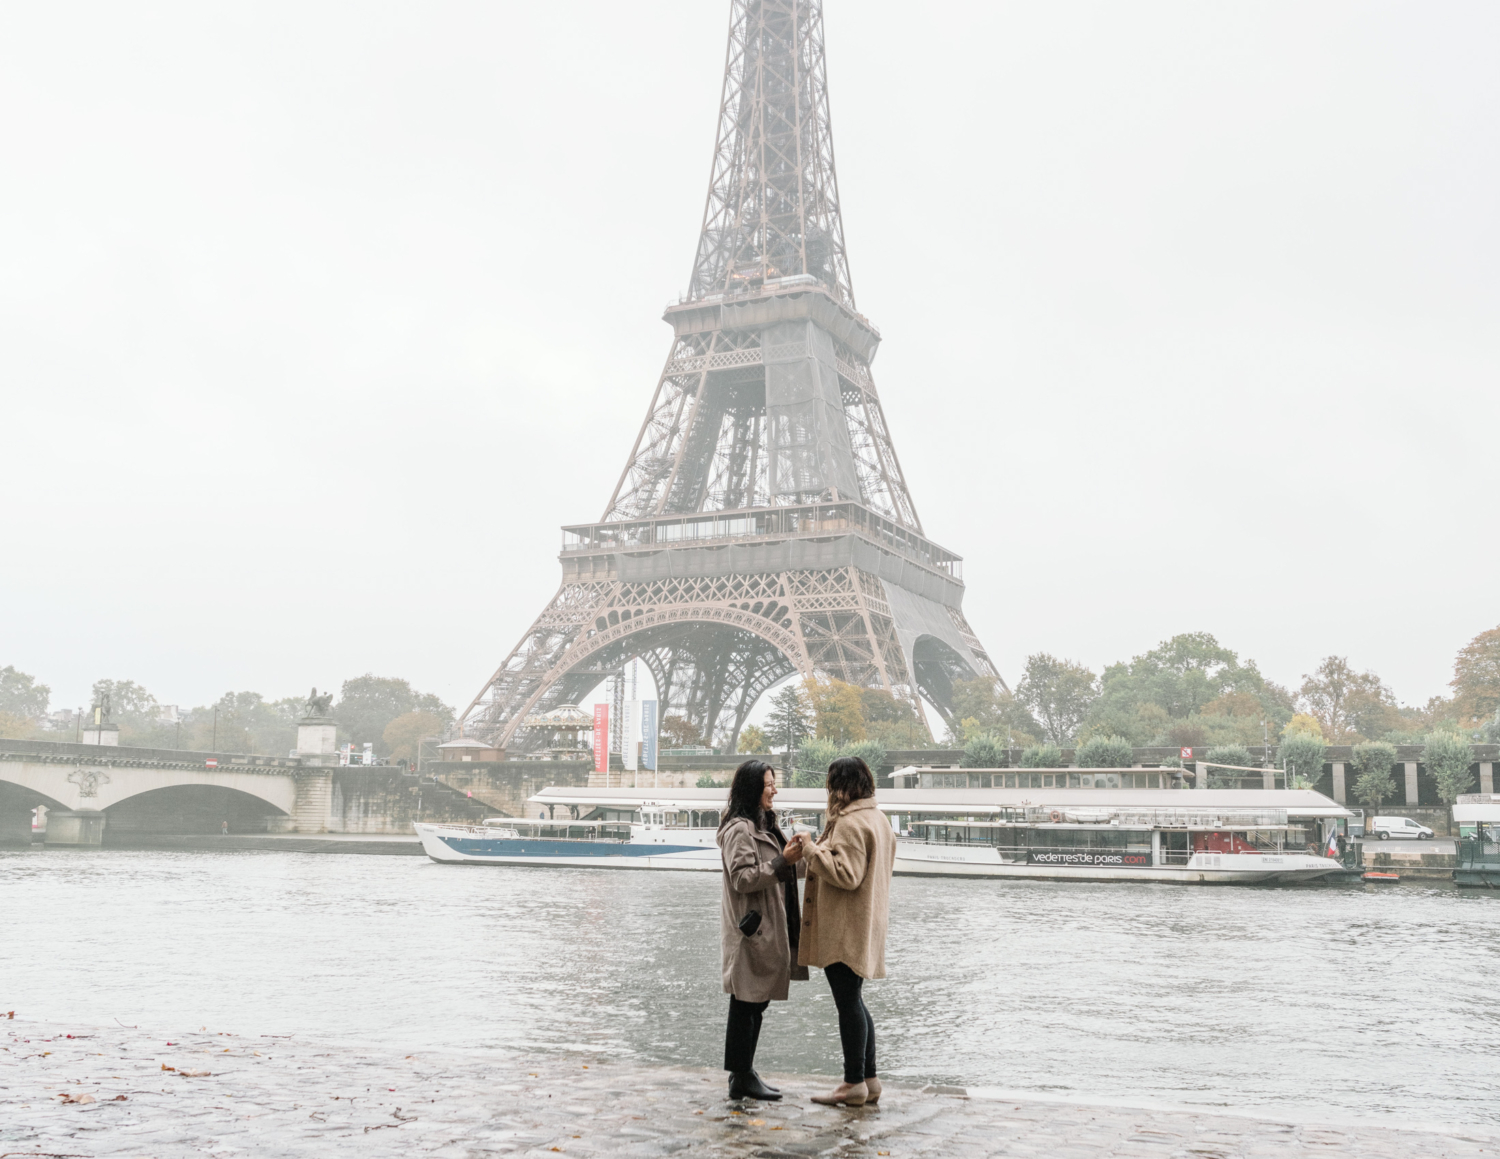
pixel 847 907
pixel 758 968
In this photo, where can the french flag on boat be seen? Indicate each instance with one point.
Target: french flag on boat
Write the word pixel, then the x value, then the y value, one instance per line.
pixel 1333 843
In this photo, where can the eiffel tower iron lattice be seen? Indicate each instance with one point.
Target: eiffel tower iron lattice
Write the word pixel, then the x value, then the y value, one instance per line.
pixel 762 526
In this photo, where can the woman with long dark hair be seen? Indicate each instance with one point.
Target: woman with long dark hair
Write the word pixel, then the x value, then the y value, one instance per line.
pixel 760 921
pixel 848 909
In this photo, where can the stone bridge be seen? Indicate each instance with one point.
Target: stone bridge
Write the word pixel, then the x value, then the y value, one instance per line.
pixel 108 794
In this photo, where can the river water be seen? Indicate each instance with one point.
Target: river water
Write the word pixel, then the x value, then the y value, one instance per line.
pixel 1339 1003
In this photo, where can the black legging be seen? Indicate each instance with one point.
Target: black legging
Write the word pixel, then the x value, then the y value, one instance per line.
pixel 742 1034
pixel 856 1027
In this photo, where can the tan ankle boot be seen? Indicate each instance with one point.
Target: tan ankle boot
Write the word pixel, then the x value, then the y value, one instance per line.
pixel 845 1094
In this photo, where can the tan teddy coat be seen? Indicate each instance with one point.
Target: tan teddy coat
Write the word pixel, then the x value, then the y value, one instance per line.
pixel 846 908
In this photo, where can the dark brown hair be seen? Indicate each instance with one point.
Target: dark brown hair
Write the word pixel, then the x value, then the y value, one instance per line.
pixel 745 792
pixel 849 780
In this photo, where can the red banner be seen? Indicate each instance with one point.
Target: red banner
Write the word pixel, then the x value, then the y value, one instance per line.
pixel 601 738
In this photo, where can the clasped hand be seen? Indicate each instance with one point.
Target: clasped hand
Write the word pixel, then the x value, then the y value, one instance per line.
pixel 793 851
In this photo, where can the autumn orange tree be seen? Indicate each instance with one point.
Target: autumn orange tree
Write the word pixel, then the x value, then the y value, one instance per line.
pixel 1476 679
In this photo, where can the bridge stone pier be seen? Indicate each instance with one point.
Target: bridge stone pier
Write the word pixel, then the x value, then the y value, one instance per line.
pixel 103 794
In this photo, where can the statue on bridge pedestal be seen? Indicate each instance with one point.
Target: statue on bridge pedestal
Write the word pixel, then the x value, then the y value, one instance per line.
pixel 319 705
pixel 317 732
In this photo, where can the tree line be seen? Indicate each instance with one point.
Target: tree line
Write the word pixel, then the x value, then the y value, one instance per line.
pixel 1189 691
pixel 380 710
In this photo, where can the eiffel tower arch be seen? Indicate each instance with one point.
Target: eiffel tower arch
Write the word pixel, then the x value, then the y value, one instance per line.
pixel 762 526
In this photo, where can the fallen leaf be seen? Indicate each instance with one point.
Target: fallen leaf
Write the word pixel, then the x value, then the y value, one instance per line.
pixel 194 1074
pixel 67 1098
pixel 164 1066
pixel 119 1099
pixel 757 1122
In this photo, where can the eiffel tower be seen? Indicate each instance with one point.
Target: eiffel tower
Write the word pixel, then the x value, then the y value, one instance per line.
pixel 762 526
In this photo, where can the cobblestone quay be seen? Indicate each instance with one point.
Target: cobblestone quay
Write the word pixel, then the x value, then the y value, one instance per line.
pixel 86 1092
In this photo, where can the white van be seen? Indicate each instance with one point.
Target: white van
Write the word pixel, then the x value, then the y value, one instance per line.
pixel 1384 827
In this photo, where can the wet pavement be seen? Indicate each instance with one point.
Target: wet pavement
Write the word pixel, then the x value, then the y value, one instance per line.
pixel 72 1091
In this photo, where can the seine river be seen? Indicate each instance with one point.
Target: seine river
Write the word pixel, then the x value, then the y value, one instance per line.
pixel 1342 1003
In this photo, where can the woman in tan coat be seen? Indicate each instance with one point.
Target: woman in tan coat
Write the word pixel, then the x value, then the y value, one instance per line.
pixel 759 920
pixel 846 913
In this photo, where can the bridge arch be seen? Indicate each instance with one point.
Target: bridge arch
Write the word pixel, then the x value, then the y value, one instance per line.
pixel 190 808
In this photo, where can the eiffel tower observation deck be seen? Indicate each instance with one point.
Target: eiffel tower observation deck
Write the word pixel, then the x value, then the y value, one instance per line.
pixel 762 526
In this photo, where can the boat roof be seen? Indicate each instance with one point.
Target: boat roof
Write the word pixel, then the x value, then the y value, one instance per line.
pixel 1296 802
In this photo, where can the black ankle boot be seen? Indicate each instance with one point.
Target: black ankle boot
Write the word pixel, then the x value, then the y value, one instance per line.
pixel 746 1084
pixel 768 1086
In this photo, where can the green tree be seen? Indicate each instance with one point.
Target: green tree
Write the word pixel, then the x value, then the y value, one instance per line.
pixel 1057 693
pixel 790 718
pixel 1448 758
pixel 403 737
pixel 1373 761
pixel 1301 754
pixel 1228 755
pixel 813 759
pixel 678 732
pixel 838 709
pixel 238 722
pixel 131 707
pixel 1105 752
pixel 894 723
pixel 368 703
pixel 708 781
pixel 872 752
pixel 1344 701
pixel 1042 756
pixel 1183 675
pixel 753 740
pixel 985 752
pixel 984 707
pixel 21 696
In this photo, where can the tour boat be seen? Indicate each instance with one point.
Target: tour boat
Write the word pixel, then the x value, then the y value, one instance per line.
pixel 1229 836
pixel 653 842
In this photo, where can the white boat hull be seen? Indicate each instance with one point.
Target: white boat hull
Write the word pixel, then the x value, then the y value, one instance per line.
pixel 692 850
pixel 921 859
pixel 481 845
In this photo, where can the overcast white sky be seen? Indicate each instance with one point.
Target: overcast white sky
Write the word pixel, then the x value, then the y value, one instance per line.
pixel 318 320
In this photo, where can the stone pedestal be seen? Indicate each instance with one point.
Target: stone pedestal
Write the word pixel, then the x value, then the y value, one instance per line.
pixel 314 802
pixel 105 734
pixel 1411 782
pixel 75 827
pixel 1340 794
pixel 1486 776
pixel 318 740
